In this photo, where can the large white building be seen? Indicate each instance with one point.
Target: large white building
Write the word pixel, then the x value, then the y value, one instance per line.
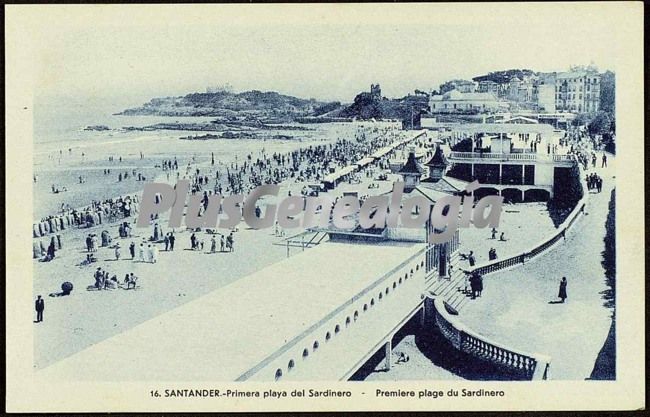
pixel 456 102
pixel 577 91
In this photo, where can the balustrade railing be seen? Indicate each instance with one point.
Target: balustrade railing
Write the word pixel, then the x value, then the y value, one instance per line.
pixel 494 156
pixel 524 365
pixel 541 247
pixel 517 155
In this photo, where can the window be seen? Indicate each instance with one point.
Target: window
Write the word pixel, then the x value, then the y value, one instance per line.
pixel 356 315
pixel 365 307
pixel 291 364
pixel 305 353
pixel 347 320
pixel 386 290
pixel 337 329
pixel 278 374
pixel 394 285
pixel 372 301
pixel 328 336
pixel 381 296
pixel 316 345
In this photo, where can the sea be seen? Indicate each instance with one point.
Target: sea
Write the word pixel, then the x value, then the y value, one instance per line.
pixel 83 165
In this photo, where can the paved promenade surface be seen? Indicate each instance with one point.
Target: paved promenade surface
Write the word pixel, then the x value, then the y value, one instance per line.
pixel 519 307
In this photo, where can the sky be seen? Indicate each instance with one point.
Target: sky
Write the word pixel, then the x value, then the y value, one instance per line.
pixel 323 52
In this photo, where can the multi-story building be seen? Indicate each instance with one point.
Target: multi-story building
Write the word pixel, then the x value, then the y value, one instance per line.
pixel 456 102
pixel 577 91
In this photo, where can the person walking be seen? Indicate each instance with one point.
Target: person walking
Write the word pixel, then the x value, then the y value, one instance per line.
pixel 213 244
pixel 117 252
pixel 40 307
pixel 562 293
pixel 172 239
pixel 479 284
pixel 141 253
pixel 230 242
pixel 223 243
pixel 604 164
pixel 132 250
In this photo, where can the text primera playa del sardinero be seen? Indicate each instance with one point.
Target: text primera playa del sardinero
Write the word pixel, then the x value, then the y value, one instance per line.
pixel 389 210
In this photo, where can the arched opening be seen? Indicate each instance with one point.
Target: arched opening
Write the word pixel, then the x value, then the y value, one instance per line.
pixel 305 353
pixel 372 301
pixel 278 374
pixel 380 296
pixel 337 329
pixel 347 321
pixel 386 290
pixel 400 280
pixel 291 365
pixel 484 191
pixel 365 307
pixel 512 195
pixel 316 345
pixel 417 267
pixel 328 336
pixel 356 315
pixel 536 194
pixel 394 285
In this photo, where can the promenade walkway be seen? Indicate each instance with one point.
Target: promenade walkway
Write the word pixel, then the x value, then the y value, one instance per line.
pixel 520 308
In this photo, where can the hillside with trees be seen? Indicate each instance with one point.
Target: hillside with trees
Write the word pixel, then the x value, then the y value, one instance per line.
pixel 503 77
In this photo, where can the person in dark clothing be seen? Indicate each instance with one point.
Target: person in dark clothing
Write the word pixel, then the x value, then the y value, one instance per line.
pixel 471 259
pixel 562 293
pixel 40 307
pixel 132 250
pixel 479 285
pixel 604 164
pixel 171 241
pixel 473 284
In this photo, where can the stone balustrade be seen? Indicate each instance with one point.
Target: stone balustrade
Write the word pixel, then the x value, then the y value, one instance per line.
pixel 528 366
pixel 541 247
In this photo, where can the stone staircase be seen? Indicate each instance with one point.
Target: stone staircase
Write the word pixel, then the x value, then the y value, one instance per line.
pixel 452 289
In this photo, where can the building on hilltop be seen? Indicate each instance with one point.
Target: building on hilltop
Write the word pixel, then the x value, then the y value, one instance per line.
pixel 375 91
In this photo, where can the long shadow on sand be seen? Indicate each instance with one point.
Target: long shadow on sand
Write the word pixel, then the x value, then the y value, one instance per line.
pixel 441 353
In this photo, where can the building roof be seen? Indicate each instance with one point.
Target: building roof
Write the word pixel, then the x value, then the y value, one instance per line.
pixel 498 127
pixel 521 118
pixel 411 166
pixel 438 158
pixel 455 95
pixel 434 191
pixel 576 74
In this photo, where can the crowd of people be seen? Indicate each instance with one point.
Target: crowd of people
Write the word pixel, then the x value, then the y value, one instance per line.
pixel 97 212
pixel 104 281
